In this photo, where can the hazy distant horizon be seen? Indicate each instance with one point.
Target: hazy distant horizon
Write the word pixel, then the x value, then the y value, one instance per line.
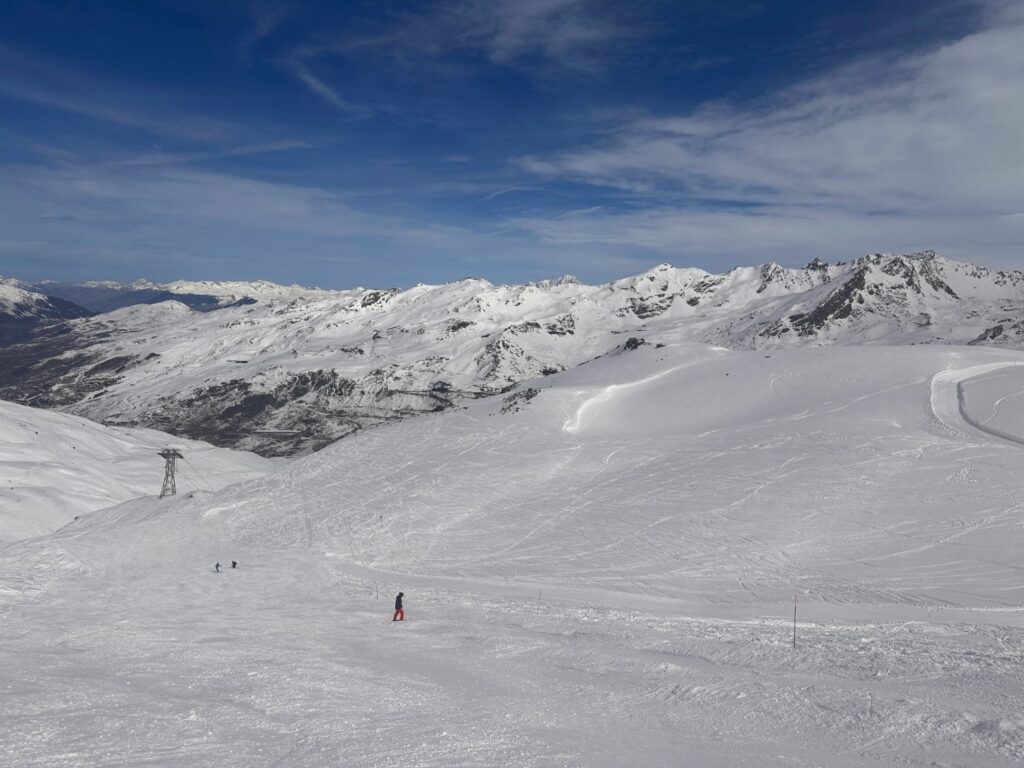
pixel 552 278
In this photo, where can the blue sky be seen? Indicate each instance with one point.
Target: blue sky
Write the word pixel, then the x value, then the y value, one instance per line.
pixel 389 143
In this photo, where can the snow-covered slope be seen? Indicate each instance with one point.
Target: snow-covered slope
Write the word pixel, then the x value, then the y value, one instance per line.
pixel 19 304
pixel 300 368
pixel 55 467
pixel 599 569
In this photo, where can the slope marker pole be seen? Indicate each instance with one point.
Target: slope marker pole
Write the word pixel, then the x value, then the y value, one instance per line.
pixel 794 621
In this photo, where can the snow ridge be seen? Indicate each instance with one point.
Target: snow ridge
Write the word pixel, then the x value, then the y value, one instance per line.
pixel 18 303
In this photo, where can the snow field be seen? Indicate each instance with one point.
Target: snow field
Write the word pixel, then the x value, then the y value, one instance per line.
pixel 600 574
pixel 54 467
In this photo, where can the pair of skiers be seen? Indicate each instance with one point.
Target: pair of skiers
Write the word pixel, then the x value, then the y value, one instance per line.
pixel 216 566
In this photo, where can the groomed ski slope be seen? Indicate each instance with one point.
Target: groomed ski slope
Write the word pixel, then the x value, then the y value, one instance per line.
pixel 55 466
pixel 600 572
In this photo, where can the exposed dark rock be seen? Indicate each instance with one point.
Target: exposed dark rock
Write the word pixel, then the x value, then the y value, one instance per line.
pixel 709 284
pixel 514 402
pixel 454 326
pixel 113 365
pixel 646 309
pixel 989 334
pixel 297 415
pixel 33 369
pixel 564 325
pixel 838 306
pixel 780 327
pixel 769 273
pixel 377 298
pixel 527 326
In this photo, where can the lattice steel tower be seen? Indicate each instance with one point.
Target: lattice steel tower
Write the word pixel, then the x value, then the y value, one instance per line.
pixel 169 488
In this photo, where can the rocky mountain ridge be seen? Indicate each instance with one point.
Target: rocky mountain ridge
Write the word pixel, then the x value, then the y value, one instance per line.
pixel 291 369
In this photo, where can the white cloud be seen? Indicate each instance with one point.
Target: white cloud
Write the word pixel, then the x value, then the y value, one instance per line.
pixel 571 34
pixel 328 93
pixel 927 149
pixel 564 31
pixel 169 196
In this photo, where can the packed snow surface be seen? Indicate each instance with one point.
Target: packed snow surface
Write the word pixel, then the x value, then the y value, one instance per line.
pixel 54 467
pixel 599 569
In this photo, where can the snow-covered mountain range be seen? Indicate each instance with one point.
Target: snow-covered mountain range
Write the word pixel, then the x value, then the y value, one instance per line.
pixel 283 369
pixel 55 466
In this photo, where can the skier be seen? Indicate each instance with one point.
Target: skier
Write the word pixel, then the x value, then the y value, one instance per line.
pixel 234 563
pixel 399 611
pixel 216 567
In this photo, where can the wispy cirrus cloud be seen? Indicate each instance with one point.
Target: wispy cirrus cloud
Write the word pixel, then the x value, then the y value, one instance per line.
pixel 182 158
pixel 37 81
pixel 567 33
pixel 158 118
pixel 545 35
pixel 927 148
pixel 571 34
pixel 184 220
pixel 173 195
pixel 299 67
pixel 265 17
pixel 21 245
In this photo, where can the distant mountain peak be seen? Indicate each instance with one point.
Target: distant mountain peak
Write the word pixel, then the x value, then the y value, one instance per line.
pixel 556 282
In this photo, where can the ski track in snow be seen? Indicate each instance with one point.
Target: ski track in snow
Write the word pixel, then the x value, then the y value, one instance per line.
pixel 617 594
